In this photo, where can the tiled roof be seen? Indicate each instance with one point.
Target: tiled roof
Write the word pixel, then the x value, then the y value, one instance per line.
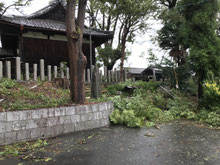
pixel 50 25
pixel 48 8
pixel 135 70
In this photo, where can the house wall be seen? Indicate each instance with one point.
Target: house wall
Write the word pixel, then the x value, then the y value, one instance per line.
pixel 42 123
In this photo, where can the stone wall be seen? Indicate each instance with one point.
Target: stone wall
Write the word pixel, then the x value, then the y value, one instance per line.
pixel 32 124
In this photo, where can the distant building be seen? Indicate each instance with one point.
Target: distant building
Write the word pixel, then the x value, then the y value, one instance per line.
pixel 152 73
pixel 135 73
pixel 145 74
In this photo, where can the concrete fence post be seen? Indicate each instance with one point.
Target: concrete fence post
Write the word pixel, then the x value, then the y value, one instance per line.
pixel 42 73
pixel 35 72
pixel 61 70
pixel 1 70
pixel 27 73
pixel 8 69
pixel 88 76
pixel 18 68
pixel 68 73
pixel 55 71
pixel 49 72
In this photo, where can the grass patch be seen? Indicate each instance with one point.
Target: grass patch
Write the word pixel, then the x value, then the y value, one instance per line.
pixel 22 96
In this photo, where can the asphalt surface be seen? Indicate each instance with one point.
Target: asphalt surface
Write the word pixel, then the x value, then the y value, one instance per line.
pixel 181 142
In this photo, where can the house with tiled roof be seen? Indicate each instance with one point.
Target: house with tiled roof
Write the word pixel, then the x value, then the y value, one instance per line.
pixel 135 73
pixel 42 35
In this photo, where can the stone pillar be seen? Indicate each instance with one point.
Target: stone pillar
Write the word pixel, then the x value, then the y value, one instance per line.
pixel 55 71
pixel 68 73
pixel 42 73
pixel 35 72
pixel 49 72
pixel 1 70
pixel 61 70
pixel 18 68
pixel 8 69
pixel 88 75
pixel 27 74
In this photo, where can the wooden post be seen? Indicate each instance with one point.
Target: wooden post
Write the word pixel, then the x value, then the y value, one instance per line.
pixel 109 76
pixel 18 68
pixel 125 74
pixel 116 77
pixel 95 86
pixel 42 73
pixel 112 75
pixel 1 70
pixel 68 73
pixel 35 72
pixel 49 72
pixel 154 75
pixel 88 75
pixel 105 73
pixel 8 69
pixel 55 71
pixel 20 45
pixel 100 76
pixel 61 70
pixel 27 74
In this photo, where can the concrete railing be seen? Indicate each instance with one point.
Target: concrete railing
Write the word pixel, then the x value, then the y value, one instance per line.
pixel 32 124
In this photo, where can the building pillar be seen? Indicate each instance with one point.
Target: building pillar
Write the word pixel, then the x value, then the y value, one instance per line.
pixel 20 46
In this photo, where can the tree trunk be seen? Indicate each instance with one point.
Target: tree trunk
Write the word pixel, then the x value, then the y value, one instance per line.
pixel 200 84
pixel 123 54
pixel 76 57
pixel 123 47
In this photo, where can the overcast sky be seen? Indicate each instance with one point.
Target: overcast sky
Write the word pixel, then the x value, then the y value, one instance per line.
pixel 140 47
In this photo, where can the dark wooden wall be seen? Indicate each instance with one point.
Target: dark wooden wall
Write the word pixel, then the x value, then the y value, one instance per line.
pixel 53 52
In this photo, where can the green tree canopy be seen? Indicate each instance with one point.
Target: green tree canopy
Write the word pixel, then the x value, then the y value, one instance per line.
pixel 199 32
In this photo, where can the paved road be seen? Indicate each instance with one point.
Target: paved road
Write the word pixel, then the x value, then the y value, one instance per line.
pixel 181 142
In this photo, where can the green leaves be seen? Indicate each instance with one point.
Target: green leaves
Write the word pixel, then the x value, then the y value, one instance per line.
pixel 108 56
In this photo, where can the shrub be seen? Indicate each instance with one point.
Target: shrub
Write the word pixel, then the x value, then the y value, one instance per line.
pixel 8 84
pixel 213 119
pixel 211 96
pixel 126 117
pixel 152 86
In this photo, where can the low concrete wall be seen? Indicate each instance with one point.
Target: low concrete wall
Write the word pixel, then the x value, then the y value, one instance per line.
pixel 32 124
